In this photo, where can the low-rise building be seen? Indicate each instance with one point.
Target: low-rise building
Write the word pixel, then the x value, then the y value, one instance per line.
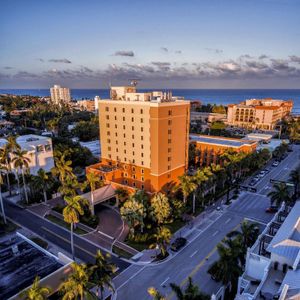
pixel 87 105
pixel 210 148
pixel 207 117
pixel 258 113
pixel 272 268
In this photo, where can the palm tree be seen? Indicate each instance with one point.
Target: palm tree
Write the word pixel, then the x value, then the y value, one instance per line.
pixel 21 161
pixel 155 294
pixel 93 181
pixel 42 182
pixel 71 213
pixel 101 273
pixel 3 169
pixel 248 234
pixel 36 292
pixel 121 195
pixel 295 178
pixel 77 285
pixel 191 292
pixel 187 186
pixel 163 238
pixel 160 208
pixel 279 194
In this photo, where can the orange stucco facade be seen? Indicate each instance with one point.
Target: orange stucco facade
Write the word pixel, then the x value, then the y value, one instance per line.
pixel 143 139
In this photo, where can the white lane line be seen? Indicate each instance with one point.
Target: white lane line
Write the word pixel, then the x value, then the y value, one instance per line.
pixel 135 274
pixel 228 221
pixel 215 233
pixel 163 283
pixel 256 221
pixel 193 254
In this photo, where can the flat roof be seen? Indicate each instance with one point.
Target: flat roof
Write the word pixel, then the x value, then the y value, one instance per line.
pixel 218 140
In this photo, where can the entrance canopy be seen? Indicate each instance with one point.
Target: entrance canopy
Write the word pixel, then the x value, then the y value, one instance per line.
pixel 100 195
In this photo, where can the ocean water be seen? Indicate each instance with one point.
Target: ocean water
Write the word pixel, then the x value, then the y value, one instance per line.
pixel 217 96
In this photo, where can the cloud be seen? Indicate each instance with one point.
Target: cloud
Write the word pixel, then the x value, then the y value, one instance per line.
pixel 7 68
pixel 41 59
pixel 178 52
pixel 256 64
pixel 246 56
pixel 295 59
pixel 60 60
pixel 215 50
pixel 164 49
pixel 263 56
pixel 124 53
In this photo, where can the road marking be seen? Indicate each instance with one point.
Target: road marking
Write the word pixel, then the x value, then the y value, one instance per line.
pixel 256 221
pixel 68 241
pixel 125 282
pixel 228 221
pixel 215 233
pixel 163 283
pixel 193 254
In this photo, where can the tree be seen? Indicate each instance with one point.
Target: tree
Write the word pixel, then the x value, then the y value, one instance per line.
pixel 121 195
pixel 279 194
pixel 295 178
pixel 249 234
pixel 71 213
pixel 133 212
pixel 3 169
pixel 187 186
pixel 101 273
pixel 163 238
pixel 94 182
pixel 42 182
pixel 160 208
pixel 155 294
pixel 21 161
pixel 36 292
pixel 77 285
pixel 191 292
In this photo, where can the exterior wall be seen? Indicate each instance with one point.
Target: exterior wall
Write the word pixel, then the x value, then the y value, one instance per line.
pixel 88 105
pixel 59 93
pixel 148 136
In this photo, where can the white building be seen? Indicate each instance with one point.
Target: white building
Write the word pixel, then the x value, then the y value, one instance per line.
pixel 59 94
pixel 97 99
pixel 39 151
pixel 272 268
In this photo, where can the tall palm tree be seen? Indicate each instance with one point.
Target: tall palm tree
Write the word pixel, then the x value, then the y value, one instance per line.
pixel 3 169
pixel 248 234
pixel 101 273
pixel 21 162
pixel 42 182
pixel 191 292
pixel 295 178
pixel 71 213
pixel 163 238
pixel 155 294
pixel 279 194
pixel 93 181
pixel 187 186
pixel 121 195
pixel 36 292
pixel 77 285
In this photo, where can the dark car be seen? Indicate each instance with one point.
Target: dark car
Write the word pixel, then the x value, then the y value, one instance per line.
pixel 178 243
pixel 272 209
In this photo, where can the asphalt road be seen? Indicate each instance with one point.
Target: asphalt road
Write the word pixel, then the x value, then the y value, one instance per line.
pixel 196 257
pixel 57 235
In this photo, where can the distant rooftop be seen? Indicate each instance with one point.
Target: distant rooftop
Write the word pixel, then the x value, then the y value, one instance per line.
pixel 218 140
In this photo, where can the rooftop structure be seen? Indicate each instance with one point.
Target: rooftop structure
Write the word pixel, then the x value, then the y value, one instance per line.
pixel 273 263
pixel 87 105
pixel 207 117
pixel 211 147
pixel 145 135
pixel 258 113
pixel 60 94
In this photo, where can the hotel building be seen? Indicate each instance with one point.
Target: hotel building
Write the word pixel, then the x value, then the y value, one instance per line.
pixel 60 94
pixel 210 148
pixel 258 113
pixel 144 138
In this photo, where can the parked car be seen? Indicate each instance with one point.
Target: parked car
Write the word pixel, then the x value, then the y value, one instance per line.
pixel 252 182
pixel 275 163
pixel 272 209
pixel 261 174
pixel 266 171
pixel 178 243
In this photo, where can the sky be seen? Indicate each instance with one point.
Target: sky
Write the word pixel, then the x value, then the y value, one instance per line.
pixel 163 43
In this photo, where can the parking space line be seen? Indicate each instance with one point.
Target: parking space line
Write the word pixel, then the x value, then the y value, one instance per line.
pixel 228 220
pixel 193 254
pixel 163 283
pixel 215 233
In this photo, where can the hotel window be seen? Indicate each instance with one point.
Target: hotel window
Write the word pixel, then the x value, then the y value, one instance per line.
pixel 142 171
pixel 106 108
pixel 124 127
pixel 48 147
pixel 124 143
pixel 132 111
pixel 125 167
pixel 142 138
pixel 142 186
pixel 169 175
pixel 107 117
pixel 116 126
pixel 169 122
pixel 142 129
pixel 142 111
pixel 126 182
pixel 125 174
pixel 142 146
pixel 142 120
pixel 133 169
pixel 116 134
pixel 170 112
pixel 115 118
pixel 108 141
pixel 133 161
pixel 132 136
pixel 169 167
pixel 133 153
pixel 117 150
pixel 109 148
pixel 132 127
pixel 124 135
pixel 107 125
pixel 108 132
pixel 142 178
pixel 133 176
pixel 169 150
pixel 132 144
pixel 133 184
pixel 117 142
pixel 169 131
pixel 169 158
pixel 142 154
pixel 132 119
pixel 109 155
pixel 169 141
pixel 123 110
pixel 142 162
pixel 115 109
pixel 125 151
pixel 123 118
pixel 40 148
pixel 125 159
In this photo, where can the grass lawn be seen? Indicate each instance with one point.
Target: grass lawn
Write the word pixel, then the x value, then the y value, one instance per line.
pixel 140 246
pixel 9 227
pixel 176 225
pixel 64 224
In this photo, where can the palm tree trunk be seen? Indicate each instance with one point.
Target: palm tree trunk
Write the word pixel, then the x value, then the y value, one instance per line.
pixel 24 186
pixel 18 181
pixel 45 196
pixel 72 242
pixel 194 202
pixel 8 183
pixel 2 207
pixel 92 204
